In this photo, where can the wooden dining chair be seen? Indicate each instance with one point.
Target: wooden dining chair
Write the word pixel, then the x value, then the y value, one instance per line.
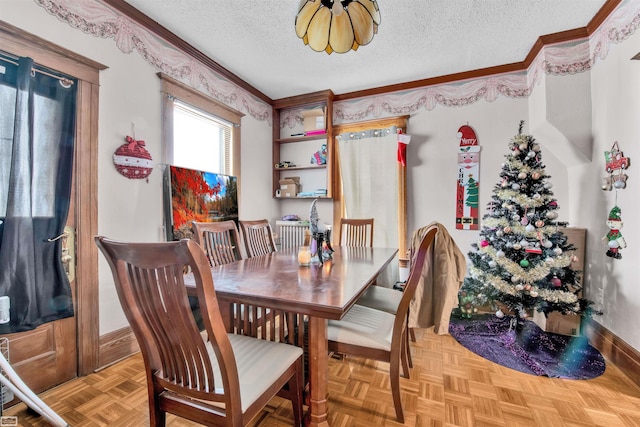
pixel 388 299
pixel 219 240
pixel 258 237
pixel 219 379
pixel 356 232
pixel 375 334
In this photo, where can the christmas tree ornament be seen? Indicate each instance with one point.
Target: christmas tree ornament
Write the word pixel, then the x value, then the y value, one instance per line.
pixel 539 223
pixel 614 238
pixel 515 217
pixel 524 220
pixel 499 314
pixel 524 243
pixel 556 282
pixel 522 175
pixel 547 244
pixel 515 186
pixel 552 215
pixel 574 258
pixel 484 243
pixel 516 152
pixel 507 229
pixel 133 160
pixel 519 287
pixel 531 154
pixel 499 233
pixel 523 146
pixel 493 264
pixel 535 176
pixel 524 263
pixel 557 251
pixel 536 147
pixel 517 246
pixel 500 254
pixel 548 185
pixel 533 294
pixel 537 196
pixel 504 183
pixel 527 287
pixel 529 228
pixel 553 204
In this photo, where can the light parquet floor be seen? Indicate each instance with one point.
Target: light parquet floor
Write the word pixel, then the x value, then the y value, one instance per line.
pixel 449 386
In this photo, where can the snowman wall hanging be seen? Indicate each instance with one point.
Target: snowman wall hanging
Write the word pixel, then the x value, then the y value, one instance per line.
pixel 133 160
pixel 615 165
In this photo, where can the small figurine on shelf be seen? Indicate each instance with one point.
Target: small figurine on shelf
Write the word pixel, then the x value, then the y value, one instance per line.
pixel 321 236
pixel 320 157
pixel 614 238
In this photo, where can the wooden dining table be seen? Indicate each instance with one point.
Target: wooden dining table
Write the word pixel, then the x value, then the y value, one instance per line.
pixel 319 291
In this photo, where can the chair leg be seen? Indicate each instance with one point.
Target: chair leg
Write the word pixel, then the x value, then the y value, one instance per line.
pixel 405 356
pixel 413 334
pixel 406 340
pixel 157 417
pixel 296 383
pixel 394 375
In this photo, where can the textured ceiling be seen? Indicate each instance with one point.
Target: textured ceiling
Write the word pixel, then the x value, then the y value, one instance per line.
pixel 417 39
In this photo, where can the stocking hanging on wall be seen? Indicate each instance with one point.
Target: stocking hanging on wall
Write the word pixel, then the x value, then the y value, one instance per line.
pixel 468 185
pixel 133 160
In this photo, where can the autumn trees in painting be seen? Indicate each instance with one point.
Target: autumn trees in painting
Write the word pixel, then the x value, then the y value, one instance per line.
pixel 200 196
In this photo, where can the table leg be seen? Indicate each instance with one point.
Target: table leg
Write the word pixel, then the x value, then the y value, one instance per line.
pixel 318 372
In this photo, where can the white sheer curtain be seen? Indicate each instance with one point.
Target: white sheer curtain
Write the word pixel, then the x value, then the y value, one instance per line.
pixel 369 173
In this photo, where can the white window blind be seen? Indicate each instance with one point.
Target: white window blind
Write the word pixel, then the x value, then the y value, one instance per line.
pixel 201 140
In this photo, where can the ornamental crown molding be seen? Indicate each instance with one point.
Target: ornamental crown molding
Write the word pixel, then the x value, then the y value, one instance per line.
pixel 562 59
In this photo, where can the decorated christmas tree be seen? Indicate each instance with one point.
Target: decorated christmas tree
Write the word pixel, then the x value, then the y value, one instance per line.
pixel 522 259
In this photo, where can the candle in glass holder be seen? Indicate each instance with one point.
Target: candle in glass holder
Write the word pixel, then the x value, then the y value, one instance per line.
pixel 304 255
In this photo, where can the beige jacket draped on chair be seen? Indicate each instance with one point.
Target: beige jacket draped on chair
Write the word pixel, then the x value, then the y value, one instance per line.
pixel 442 276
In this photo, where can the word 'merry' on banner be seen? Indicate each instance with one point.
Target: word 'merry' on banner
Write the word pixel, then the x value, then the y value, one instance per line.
pixel 468 185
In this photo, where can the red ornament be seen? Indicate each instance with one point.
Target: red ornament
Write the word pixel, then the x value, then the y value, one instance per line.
pixel 133 160
pixel 556 282
pixel 484 243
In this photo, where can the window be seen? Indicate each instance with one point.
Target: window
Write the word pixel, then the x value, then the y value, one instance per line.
pixel 201 141
pixel 199 132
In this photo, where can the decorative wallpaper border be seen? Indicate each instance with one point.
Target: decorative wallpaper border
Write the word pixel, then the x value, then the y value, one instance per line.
pixel 560 60
pixel 95 18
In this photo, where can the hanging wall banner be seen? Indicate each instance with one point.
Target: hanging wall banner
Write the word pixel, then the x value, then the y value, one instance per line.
pixel 468 191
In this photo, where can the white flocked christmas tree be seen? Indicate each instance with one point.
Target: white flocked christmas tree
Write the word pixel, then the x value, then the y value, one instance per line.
pixel 522 260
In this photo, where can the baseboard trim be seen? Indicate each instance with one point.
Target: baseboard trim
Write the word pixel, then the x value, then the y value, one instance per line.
pixel 614 349
pixel 115 346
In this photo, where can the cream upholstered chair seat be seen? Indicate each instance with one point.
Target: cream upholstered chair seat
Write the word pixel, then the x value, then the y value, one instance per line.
pixel 381 298
pixel 364 327
pixel 260 363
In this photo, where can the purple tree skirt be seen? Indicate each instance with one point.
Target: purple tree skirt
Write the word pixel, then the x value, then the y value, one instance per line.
pixel 530 349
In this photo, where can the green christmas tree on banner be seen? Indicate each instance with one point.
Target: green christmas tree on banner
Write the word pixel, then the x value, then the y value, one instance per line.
pixel 522 258
pixel 472 198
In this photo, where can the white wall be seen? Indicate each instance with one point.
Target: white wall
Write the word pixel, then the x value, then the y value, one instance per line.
pixel 131 209
pixel 616 117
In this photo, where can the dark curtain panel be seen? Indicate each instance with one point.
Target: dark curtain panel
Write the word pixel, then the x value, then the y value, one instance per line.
pixel 37 122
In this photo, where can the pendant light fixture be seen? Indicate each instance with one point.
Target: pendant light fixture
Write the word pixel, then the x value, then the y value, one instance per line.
pixel 337 26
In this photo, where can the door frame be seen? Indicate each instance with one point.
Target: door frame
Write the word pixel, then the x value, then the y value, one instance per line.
pixel 18 42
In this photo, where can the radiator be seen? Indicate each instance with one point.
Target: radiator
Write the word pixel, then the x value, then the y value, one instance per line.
pixel 291 233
